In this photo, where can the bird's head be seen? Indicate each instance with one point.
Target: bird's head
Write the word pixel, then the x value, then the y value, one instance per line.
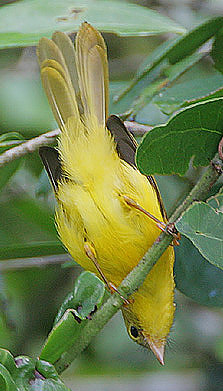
pixel 148 322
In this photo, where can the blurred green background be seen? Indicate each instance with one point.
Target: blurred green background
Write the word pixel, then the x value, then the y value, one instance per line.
pixel 30 297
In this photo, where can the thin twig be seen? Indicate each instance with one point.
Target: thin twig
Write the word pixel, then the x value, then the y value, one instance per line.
pixel 49 137
pixel 28 147
pixel 26 263
pixel 137 129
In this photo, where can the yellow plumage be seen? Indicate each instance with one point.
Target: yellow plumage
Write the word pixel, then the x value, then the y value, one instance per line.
pixel 91 181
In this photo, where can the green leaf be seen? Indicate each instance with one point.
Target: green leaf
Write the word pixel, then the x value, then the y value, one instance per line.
pixel 6 381
pixel 48 385
pixel 24 374
pixel 193 132
pixel 20 28
pixel 52 381
pixel 196 277
pixel 216 201
pixel 190 92
pixel 217 51
pixel 7 370
pixel 203 225
pixel 29 375
pixel 46 369
pixel 87 293
pixel 73 315
pixel 61 337
pixel 8 140
pixel 169 74
pixel 7 359
pixel 191 41
pixel 172 52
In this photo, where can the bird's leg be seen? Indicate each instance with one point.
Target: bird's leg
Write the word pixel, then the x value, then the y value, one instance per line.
pixel 130 202
pixel 91 254
pixel 169 227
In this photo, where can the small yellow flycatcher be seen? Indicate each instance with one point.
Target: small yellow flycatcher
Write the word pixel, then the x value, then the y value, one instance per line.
pixel 96 184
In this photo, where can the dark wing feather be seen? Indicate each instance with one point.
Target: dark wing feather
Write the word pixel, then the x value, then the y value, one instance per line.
pixel 51 161
pixel 152 181
pixel 126 148
pixel 125 143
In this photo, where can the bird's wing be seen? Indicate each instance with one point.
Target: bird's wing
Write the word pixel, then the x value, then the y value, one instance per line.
pixel 126 147
pixel 51 161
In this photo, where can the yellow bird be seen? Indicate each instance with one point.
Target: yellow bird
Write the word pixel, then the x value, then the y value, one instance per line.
pixel 96 184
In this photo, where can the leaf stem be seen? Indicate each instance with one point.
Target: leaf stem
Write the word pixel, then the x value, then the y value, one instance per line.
pixel 136 277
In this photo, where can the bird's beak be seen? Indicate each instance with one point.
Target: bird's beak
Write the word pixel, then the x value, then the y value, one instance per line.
pixel 158 348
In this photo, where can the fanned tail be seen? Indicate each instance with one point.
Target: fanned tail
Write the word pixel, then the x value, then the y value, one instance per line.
pixel 76 83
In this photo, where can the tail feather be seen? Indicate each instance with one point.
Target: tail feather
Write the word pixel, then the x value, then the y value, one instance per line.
pixel 56 81
pixel 97 95
pixel 66 48
pixel 92 69
pixel 61 99
pixel 63 72
pixel 48 50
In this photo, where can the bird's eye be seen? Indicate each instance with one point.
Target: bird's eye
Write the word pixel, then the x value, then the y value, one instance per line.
pixel 134 332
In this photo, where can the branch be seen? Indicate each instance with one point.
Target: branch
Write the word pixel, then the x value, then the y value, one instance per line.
pixel 137 129
pixel 136 277
pixel 25 263
pixel 28 147
pixel 49 137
